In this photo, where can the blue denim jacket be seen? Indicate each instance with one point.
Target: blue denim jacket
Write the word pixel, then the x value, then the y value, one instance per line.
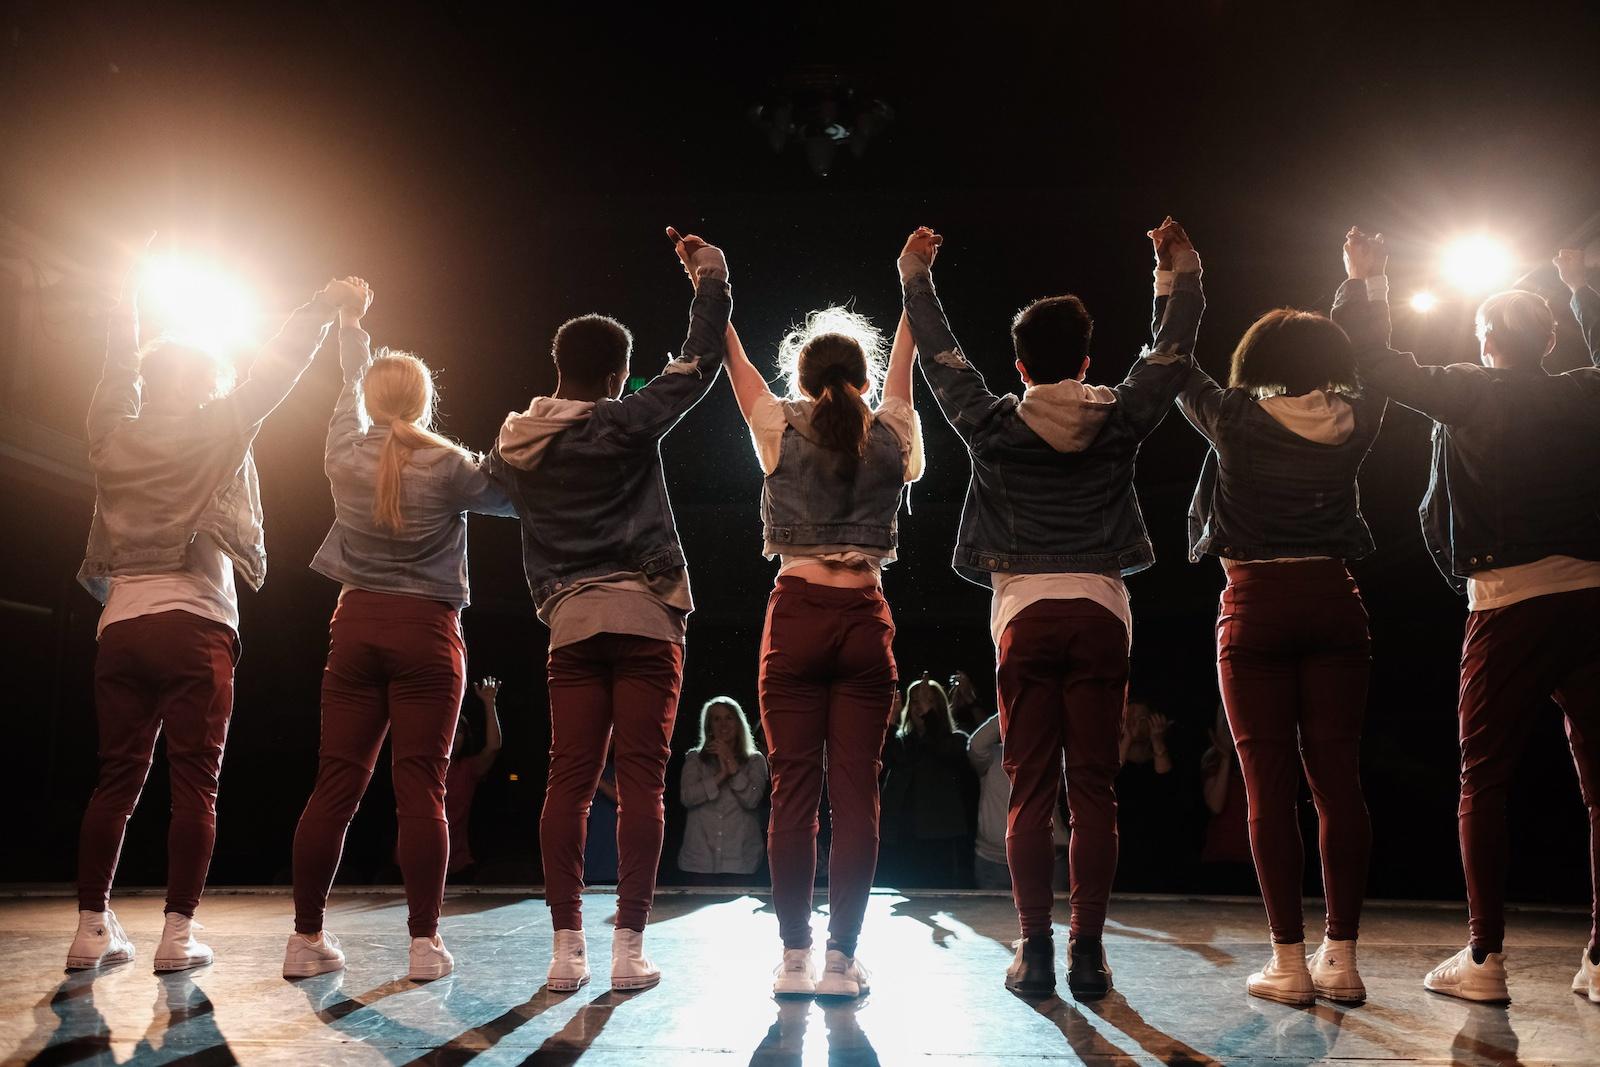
pixel 1031 508
pixel 820 500
pixel 429 559
pixel 163 477
pixel 1513 477
pixel 1265 492
pixel 595 502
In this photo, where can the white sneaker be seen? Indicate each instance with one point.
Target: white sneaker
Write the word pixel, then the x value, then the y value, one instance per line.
pixel 1286 978
pixel 178 950
pixel 842 976
pixel 1459 976
pixel 631 969
pixel 1334 973
pixel 305 956
pixel 100 940
pixel 1587 981
pixel 569 962
pixel 429 959
pixel 796 976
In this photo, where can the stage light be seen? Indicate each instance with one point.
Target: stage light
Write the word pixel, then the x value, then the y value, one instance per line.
pixel 1423 301
pixel 1477 264
pixel 197 304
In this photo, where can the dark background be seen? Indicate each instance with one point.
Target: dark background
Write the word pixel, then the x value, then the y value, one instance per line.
pixel 492 175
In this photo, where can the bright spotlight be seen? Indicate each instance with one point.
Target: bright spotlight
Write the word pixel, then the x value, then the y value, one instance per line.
pixel 1423 301
pixel 1477 264
pixel 197 304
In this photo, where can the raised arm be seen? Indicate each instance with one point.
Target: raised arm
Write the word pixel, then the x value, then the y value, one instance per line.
pixel 748 384
pixel 902 358
pixel 983 748
pixel 281 362
pixel 1164 366
pixel 958 388
pixel 648 414
pixel 488 690
pixel 1585 301
pixel 355 356
pixel 116 398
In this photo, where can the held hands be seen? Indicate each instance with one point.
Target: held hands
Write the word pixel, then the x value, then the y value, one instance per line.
pixel 352 296
pixel 1172 247
pixel 487 689
pixel 1364 256
pixel 688 246
pixel 1570 265
pixel 924 244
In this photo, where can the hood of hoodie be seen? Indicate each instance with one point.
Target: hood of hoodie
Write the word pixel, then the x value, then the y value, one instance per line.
pixel 1323 417
pixel 1067 415
pixel 525 435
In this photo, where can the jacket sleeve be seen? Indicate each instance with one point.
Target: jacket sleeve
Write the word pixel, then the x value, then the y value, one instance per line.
pixel 965 400
pixel 1586 306
pixel 695 787
pixel 1361 309
pixel 749 786
pixel 279 365
pixel 355 356
pixel 116 397
pixel 475 491
pixel 984 745
pixel 648 414
pixel 1161 370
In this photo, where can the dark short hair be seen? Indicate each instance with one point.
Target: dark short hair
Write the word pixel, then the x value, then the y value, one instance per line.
pixel 590 347
pixel 1291 352
pixel 1051 337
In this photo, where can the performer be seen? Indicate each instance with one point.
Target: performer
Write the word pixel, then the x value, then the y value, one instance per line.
pixel 1511 521
pixel 177 511
pixel 835 466
pixel 1277 504
pixel 607 574
pixel 396 662
pixel 1051 523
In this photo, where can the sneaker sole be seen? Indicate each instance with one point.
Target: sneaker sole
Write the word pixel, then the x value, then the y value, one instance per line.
pixel 1089 994
pixel 1295 1000
pixel 429 976
pixel 633 985
pixel 184 964
pixel 797 990
pixel 853 992
pixel 1343 994
pixel 89 963
pixel 1462 994
pixel 311 970
pixel 1026 989
pixel 566 985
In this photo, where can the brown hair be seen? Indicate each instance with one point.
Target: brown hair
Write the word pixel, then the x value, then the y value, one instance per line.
pixel 398 393
pixel 1288 352
pixel 1051 338
pixel 836 358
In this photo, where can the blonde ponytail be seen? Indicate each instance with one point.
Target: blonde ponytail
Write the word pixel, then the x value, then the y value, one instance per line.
pixel 398 391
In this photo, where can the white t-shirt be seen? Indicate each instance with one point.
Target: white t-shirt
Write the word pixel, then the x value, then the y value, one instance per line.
pixel 1014 592
pixel 1504 586
pixel 204 587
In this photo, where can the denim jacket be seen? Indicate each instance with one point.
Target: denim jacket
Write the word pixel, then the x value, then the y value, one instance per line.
pixel 163 477
pixel 820 500
pixel 1032 507
pixel 593 497
pixel 1513 478
pixel 1265 492
pixel 440 485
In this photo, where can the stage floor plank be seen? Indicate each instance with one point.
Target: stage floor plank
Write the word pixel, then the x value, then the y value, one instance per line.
pixel 937 998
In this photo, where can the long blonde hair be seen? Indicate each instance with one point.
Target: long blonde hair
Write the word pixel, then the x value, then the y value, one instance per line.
pixel 746 744
pixel 397 392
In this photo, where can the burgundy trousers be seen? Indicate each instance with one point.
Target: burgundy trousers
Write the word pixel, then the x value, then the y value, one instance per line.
pixel 396 664
pixel 1293 659
pixel 1062 677
pixel 1512 660
pixel 168 673
pixel 619 690
pixel 826 685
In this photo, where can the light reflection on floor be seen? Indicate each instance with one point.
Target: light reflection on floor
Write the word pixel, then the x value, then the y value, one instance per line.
pixel 937 997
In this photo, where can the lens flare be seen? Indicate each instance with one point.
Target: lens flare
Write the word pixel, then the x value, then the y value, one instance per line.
pixel 1423 301
pixel 197 304
pixel 1477 264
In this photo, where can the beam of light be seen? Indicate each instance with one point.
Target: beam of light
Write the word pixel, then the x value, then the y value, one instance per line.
pixel 1477 264
pixel 1423 301
pixel 197 304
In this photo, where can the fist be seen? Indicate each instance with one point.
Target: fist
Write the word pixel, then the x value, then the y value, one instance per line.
pixel 1569 264
pixel 924 244
pixel 1364 257
pixel 487 689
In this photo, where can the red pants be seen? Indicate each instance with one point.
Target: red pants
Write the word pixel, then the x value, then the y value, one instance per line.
pixel 1512 660
pixel 623 690
pixel 171 672
pixel 395 663
pixel 827 684
pixel 1293 660
pixel 1062 677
